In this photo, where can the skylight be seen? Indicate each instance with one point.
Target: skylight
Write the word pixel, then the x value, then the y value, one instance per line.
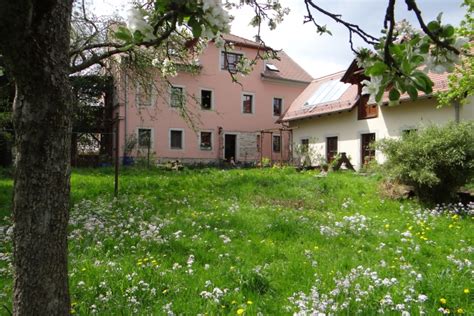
pixel 327 92
pixel 272 67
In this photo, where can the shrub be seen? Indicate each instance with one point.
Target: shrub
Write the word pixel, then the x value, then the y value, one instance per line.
pixel 436 161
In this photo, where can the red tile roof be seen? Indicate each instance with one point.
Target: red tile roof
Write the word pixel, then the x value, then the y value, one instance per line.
pixel 347 101
pixel 288 69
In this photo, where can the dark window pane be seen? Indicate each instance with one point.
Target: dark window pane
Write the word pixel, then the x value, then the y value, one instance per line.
pixel 206 140
pixel 247 103
pixel 177 97
pixel 144 137
pixel 277 106
pixel 276 143
pixel 176 140
pixel 206 99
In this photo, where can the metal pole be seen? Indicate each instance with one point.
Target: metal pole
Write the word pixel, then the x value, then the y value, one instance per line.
pixel 281 146
pixel 117 142
pixel 271 148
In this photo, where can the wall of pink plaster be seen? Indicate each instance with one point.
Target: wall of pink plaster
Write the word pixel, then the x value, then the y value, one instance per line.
pixel 225 118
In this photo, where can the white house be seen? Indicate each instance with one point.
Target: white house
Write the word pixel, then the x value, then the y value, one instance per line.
pixel 331 116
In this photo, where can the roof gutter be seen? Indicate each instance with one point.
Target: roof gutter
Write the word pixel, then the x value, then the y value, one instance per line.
pixel 284 79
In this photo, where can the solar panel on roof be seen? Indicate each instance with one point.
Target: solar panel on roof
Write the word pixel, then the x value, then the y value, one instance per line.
pixel 327 92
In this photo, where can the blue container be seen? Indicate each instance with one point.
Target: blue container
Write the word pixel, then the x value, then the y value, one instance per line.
pixel 127 161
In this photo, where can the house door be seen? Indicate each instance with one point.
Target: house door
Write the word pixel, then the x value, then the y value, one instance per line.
pixel 331 148
pixel 367 151
pixel 230 143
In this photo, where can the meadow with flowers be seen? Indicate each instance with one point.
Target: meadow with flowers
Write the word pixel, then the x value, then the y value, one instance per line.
pixel 256 242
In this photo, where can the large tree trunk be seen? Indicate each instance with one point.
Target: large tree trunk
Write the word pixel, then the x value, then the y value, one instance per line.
pixel 34 39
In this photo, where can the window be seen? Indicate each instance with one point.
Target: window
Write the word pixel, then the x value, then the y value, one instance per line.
pixel 277 106
pixel 206 99
pixel 367 149
pixel 272 67
pixel 331 148
pixel 144 94
pixel 247 103
pixel 176 139
pixel 206 141
pixel 366 111
pixel 304 145
pixel 144 137
pixel 229 61
pixel 276 143
pixel 177 97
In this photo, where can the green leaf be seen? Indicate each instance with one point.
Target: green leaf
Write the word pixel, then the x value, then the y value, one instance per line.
pixel 138 36
pixel 447 31
pixel 406 66
pixel 424 48
pixel 394 95
pixel 126 47
pixel 124 34
pixel 376 69
pixel 412 92
pixel 195 26
pixel 433 26
pixel 380 93
pixel 417 60
pixel 422 82
pixel 396 50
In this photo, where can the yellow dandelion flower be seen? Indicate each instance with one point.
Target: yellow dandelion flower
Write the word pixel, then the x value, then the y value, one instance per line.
pixel 466 291
pixel 387 226
pixel 450 226
pixel 233 302
pixel 249 302
pixel 240 311
pixel 443 301
pixel 165 291
pixel 460 311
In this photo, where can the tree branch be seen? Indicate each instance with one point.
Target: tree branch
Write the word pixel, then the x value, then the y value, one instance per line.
pixel 354 28
pixel 123 49
pixel 412 6
pixel 389 23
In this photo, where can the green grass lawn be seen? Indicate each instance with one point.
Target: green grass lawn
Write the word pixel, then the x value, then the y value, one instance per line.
pixel 248 242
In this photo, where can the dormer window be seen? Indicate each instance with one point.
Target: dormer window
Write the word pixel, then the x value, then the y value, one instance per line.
pixel 272 67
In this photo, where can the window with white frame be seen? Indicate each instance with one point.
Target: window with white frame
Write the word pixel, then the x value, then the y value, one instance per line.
pixel 144 94
pixel 177 97
pixel 144 137
pixel 229 61
pixel 176 139
pixel 247 103
pixel 205 141
pixel 277 106
pixel 206 99
pixel 276 144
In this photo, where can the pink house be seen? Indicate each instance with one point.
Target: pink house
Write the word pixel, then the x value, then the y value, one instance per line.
pixel 223 120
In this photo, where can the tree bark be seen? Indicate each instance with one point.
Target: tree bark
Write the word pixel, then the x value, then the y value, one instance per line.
pixel 34 39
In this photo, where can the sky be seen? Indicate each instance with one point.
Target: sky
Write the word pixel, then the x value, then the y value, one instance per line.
pixel 321 55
